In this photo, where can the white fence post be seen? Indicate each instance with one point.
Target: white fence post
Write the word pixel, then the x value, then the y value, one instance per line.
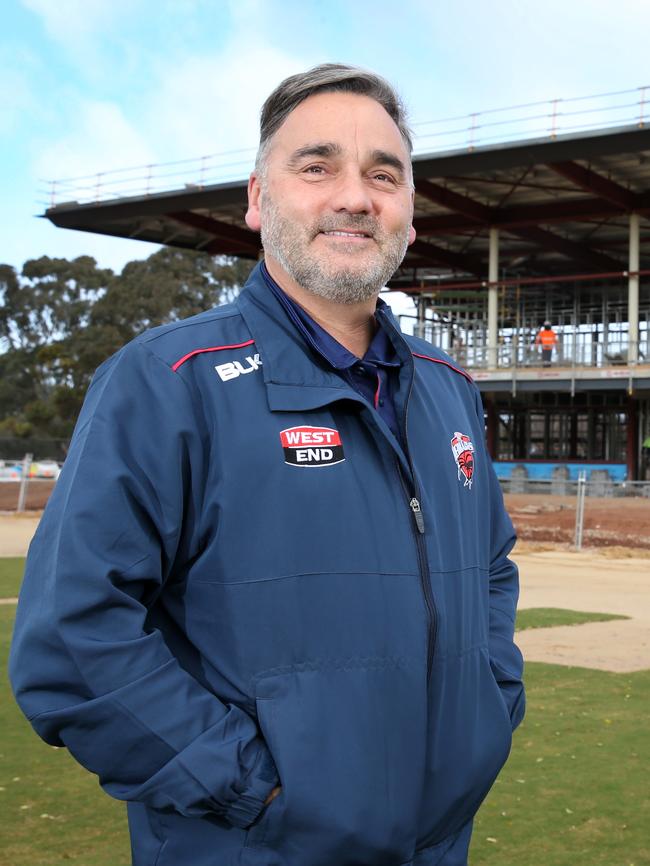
pixel 24 481
pixel 580 509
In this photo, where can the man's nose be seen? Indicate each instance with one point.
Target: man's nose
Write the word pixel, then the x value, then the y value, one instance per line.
pixel 351 193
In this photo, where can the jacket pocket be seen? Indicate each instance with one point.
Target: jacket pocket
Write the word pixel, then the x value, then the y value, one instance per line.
pixel 470 735
pixel 348 740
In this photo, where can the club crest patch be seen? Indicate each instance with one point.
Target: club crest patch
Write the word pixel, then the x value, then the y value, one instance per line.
pixel 311 446
pixel 463 450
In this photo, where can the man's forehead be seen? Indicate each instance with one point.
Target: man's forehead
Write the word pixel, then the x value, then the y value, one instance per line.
pixel 339 119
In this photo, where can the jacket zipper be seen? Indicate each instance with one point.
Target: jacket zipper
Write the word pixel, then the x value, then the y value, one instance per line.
pixel 418 532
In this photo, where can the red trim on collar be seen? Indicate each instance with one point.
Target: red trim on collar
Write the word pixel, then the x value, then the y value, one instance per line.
pixel 378 390
pixel 191 354
pixel 445 363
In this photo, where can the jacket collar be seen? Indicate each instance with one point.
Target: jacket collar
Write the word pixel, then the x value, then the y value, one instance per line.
pixel 295 377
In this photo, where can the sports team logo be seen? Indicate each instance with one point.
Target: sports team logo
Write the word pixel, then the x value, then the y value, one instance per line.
pixel 463 450
pixel 311 446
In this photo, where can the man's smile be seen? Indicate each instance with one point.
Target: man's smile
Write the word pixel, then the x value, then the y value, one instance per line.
pixel 346 234
pixel 349 235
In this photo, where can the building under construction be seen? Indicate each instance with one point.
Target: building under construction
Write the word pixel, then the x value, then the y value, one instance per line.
pixel 549 229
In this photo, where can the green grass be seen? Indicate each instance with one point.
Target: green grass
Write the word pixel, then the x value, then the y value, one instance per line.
pixel 545 617
pixel 11 575
pixel 82 826
pixel 574 792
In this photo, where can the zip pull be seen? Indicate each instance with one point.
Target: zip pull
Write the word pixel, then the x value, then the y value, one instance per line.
pixel 417 513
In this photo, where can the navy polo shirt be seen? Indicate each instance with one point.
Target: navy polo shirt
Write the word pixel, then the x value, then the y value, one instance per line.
pixel 375 376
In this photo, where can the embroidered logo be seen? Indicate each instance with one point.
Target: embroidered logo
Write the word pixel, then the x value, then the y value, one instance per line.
pixel 232 369
pixel 463 450
pixel 311 446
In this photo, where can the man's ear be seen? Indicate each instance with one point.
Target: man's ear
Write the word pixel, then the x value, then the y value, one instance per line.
pixel 411 236
pixel 253 220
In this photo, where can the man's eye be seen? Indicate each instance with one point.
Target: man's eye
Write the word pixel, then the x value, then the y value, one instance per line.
pixel 314 169
pixel 383 177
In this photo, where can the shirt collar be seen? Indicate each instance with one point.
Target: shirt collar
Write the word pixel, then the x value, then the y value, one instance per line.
pixel 381 351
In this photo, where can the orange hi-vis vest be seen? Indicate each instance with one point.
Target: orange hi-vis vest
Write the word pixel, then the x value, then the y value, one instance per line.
pixel 548 339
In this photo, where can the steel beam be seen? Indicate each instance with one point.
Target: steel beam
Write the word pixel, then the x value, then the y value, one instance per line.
pixel 217 228
pixel 454 201
pixel 558 211
pixel 440 256
pixel 571 249
pixel 594 183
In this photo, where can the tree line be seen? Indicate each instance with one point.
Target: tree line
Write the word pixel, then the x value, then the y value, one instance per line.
pixel 60 318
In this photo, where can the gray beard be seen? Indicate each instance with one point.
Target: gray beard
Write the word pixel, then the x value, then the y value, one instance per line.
pixel 287 243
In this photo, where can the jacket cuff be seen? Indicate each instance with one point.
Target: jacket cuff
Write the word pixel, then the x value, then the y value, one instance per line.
pixel 262 779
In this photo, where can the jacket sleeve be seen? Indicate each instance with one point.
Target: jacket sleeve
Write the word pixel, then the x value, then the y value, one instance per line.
pixel 86 669
pixel 505 657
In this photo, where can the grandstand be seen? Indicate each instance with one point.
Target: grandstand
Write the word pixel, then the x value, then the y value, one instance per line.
pixel 538 227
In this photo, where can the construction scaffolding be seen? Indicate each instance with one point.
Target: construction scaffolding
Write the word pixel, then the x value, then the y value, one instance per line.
pixel 590 320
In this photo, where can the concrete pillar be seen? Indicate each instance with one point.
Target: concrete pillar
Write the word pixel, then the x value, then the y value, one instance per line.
pixel 633 290
pixel 422 318
pixel 493 299
pixel 632 455
pixel 491 426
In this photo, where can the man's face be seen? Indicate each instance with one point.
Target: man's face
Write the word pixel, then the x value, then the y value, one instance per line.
pixel 335 201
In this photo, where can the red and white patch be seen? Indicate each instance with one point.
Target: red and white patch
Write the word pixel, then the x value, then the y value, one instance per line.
pixel 463 450
pixel 311 446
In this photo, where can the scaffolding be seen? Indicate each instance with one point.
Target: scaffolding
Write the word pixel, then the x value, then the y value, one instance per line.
pixel 590 320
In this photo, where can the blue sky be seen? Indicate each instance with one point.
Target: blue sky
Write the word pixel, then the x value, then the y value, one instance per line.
pixel 93 85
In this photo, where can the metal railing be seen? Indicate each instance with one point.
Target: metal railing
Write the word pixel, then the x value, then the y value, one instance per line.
pixel 544 119
pixel 573 349
pixel 602 488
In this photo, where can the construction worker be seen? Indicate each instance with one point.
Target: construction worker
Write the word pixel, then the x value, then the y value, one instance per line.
pixel 547 339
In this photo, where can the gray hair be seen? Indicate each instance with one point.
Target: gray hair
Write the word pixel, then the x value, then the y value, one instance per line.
pixel 327 78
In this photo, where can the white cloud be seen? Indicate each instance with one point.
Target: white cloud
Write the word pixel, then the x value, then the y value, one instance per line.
pixel 101 140
pixel 192 105
pixel 209 104
pixel 94 36
pixel 17 97
pixel 74 22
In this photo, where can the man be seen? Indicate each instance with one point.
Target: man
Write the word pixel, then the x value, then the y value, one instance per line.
pixel 547 339
pixel 269 602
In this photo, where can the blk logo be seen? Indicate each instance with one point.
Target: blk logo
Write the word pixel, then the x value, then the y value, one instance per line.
pixel 233 369
pixel 311 446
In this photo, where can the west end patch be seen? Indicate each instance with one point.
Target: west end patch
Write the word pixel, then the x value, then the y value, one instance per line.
pixel 311 446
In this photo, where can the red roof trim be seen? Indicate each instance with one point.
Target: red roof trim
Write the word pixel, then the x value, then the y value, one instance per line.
pixel 191 354
pixel 445 363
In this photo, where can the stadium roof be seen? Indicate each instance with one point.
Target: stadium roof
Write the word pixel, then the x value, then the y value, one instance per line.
pixel 561 204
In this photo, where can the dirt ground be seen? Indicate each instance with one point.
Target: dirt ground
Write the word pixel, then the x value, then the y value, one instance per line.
pixel 611 522
pixel 603 580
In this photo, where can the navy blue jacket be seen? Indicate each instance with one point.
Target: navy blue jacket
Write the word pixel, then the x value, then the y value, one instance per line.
pixel 242 580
